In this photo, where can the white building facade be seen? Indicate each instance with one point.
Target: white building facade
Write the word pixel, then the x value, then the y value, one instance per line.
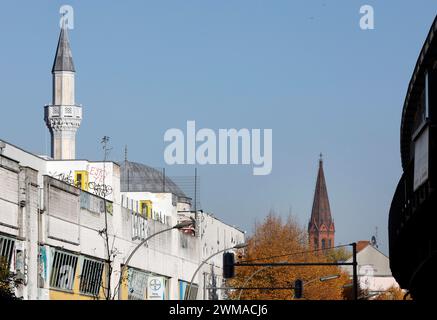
pixel 56 212
pixel 374 274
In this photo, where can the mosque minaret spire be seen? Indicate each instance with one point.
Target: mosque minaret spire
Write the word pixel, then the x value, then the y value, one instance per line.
pixel 63 117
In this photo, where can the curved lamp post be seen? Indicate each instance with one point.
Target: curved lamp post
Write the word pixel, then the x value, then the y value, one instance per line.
pixel 181 225
pixel 250 278
pixel 238 246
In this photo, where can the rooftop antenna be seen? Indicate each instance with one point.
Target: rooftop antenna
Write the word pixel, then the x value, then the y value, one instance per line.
pixel 125 153
pixel 374 241
pixel 163 179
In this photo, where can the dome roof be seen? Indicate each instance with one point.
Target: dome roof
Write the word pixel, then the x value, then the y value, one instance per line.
pixel 137 177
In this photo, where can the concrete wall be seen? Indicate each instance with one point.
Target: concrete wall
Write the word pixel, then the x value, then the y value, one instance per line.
pixel 19 208
pixel 44 212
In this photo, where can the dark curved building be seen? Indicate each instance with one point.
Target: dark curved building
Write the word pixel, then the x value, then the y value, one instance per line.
pixel 413 212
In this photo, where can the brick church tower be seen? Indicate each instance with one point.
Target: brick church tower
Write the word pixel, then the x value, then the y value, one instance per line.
pixel 321 229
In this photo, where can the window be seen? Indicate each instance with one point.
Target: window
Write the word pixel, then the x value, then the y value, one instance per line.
pixel 81 180
pixel 146 208
pixel 7 246
pixel 183 290
pixel 63 270
pixel 323 244
pixel 330 243
pixel 91 277
pixel 137 283
pixel 422 112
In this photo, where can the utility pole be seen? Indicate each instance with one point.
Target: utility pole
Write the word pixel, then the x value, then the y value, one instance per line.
pixel 105 141
pixel 354 267
pixel 196 226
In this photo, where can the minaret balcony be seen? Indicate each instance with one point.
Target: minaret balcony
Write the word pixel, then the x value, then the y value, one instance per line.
pixel 64 111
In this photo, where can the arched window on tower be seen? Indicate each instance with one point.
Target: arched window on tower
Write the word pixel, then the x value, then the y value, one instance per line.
pixel 330 243
pixel 323 244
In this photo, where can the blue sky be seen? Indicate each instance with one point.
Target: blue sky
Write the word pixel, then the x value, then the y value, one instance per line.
pixel 302 68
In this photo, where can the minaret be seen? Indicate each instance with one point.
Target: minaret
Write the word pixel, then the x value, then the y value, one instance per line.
pixel 63 116
pixel 321 229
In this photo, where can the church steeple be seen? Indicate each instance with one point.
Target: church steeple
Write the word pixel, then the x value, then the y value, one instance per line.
pixel 63 117
pixel 321 227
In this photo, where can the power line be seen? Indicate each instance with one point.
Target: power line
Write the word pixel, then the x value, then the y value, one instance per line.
pixel 293 253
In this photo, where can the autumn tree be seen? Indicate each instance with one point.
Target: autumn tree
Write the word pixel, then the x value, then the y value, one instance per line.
pixel 340 254
pixel 393 293
pixel 276 240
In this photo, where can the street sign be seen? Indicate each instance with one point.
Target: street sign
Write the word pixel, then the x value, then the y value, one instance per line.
pixel 155 288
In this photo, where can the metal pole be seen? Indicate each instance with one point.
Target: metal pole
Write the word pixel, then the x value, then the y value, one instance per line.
pixel 204 286
pixel 196 216
pixel 163 180
pixel 253 288
pixel 354 267
pixel 293 264
pixel 250 278
pixel 188 290
pixel 195 192
pixel 135 250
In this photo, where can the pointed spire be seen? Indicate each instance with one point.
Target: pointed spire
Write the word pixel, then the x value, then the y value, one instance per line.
pixel 321 212
pixel 64 58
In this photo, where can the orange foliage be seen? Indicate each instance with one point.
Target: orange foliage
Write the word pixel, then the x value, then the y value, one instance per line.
pixel 393 293
pixel 274 238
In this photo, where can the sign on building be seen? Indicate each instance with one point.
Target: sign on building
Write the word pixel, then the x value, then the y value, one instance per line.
pixel 155 288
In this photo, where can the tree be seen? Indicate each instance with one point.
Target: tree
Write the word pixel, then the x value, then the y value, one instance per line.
pixel 278 241
pixel 340 254
pixel 8 281
pixel 392 293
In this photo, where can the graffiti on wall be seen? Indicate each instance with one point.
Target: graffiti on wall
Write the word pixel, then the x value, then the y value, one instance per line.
pixel 42 267
pixel 95 181
pixel 64 177
pixel 97 174
pixel 101 190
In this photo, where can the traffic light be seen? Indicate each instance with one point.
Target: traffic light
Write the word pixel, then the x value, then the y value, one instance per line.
pixel 228 265
pixel 298 289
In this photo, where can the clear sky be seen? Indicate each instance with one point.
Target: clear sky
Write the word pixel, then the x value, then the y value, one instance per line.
pixel 302 68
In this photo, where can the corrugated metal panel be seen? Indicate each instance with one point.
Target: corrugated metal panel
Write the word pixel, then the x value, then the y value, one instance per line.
pixel 9 185
pixel 63 204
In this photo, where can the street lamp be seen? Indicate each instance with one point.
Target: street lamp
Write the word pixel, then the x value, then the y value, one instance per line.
pixel 180 225
pixel 238 246
pixel 325 278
